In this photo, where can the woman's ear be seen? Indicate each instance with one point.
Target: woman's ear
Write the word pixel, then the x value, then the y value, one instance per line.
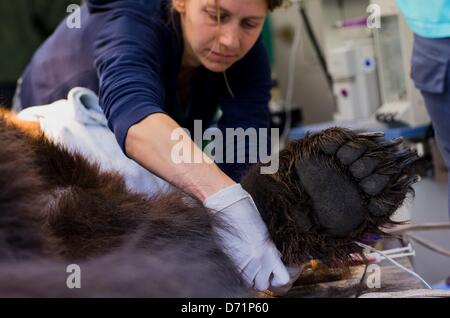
pixel 179 5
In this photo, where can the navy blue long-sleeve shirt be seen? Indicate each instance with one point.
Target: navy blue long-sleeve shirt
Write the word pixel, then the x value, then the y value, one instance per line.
pixel 130 52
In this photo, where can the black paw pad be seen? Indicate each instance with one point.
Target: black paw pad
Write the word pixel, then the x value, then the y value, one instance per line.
pixel 374 184
pixel 377 208
pixel 352 177
pixel 349 152
pixel 337 204
pixel 363 167
pixel 330 147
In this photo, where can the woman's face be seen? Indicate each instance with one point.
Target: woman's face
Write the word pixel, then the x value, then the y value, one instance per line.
pixel 216 45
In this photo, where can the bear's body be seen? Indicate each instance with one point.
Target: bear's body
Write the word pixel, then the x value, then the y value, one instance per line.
pixel 56 208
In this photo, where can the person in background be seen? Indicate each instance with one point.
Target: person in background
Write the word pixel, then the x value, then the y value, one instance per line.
pixel 430 22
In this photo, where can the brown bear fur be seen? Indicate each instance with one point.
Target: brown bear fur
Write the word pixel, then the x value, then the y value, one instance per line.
pixel 56 207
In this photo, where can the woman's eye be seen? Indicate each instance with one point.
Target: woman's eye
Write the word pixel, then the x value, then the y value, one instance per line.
pixel 250 25
pixel 213 16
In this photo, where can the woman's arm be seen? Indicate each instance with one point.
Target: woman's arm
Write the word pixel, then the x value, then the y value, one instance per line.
pixel 149 143
pixel 248 244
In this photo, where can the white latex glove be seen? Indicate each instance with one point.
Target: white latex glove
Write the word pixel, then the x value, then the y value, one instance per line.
pixel 294 273
pixel 248 242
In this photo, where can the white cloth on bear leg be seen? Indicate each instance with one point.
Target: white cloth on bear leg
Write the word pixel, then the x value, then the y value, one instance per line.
pixel 247 242
pixel 80 125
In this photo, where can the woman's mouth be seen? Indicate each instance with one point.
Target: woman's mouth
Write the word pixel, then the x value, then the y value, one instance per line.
pixel 222 56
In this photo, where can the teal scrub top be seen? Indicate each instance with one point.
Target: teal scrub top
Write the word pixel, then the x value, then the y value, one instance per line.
pixel 427 18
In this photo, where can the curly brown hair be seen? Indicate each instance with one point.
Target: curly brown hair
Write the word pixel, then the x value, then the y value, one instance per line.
pixel 273 4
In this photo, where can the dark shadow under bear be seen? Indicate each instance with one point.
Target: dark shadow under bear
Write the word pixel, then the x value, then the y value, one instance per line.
pixel 332 188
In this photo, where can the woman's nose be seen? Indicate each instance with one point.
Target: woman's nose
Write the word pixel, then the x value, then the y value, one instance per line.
pixel 229 38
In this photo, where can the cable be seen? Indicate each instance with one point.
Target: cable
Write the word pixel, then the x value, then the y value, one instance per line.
pixel 422 227
pixel 315 43
pixel 428 244
pixel 300 7
pixel 393 262
pixel 291 79
pixel 418 227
